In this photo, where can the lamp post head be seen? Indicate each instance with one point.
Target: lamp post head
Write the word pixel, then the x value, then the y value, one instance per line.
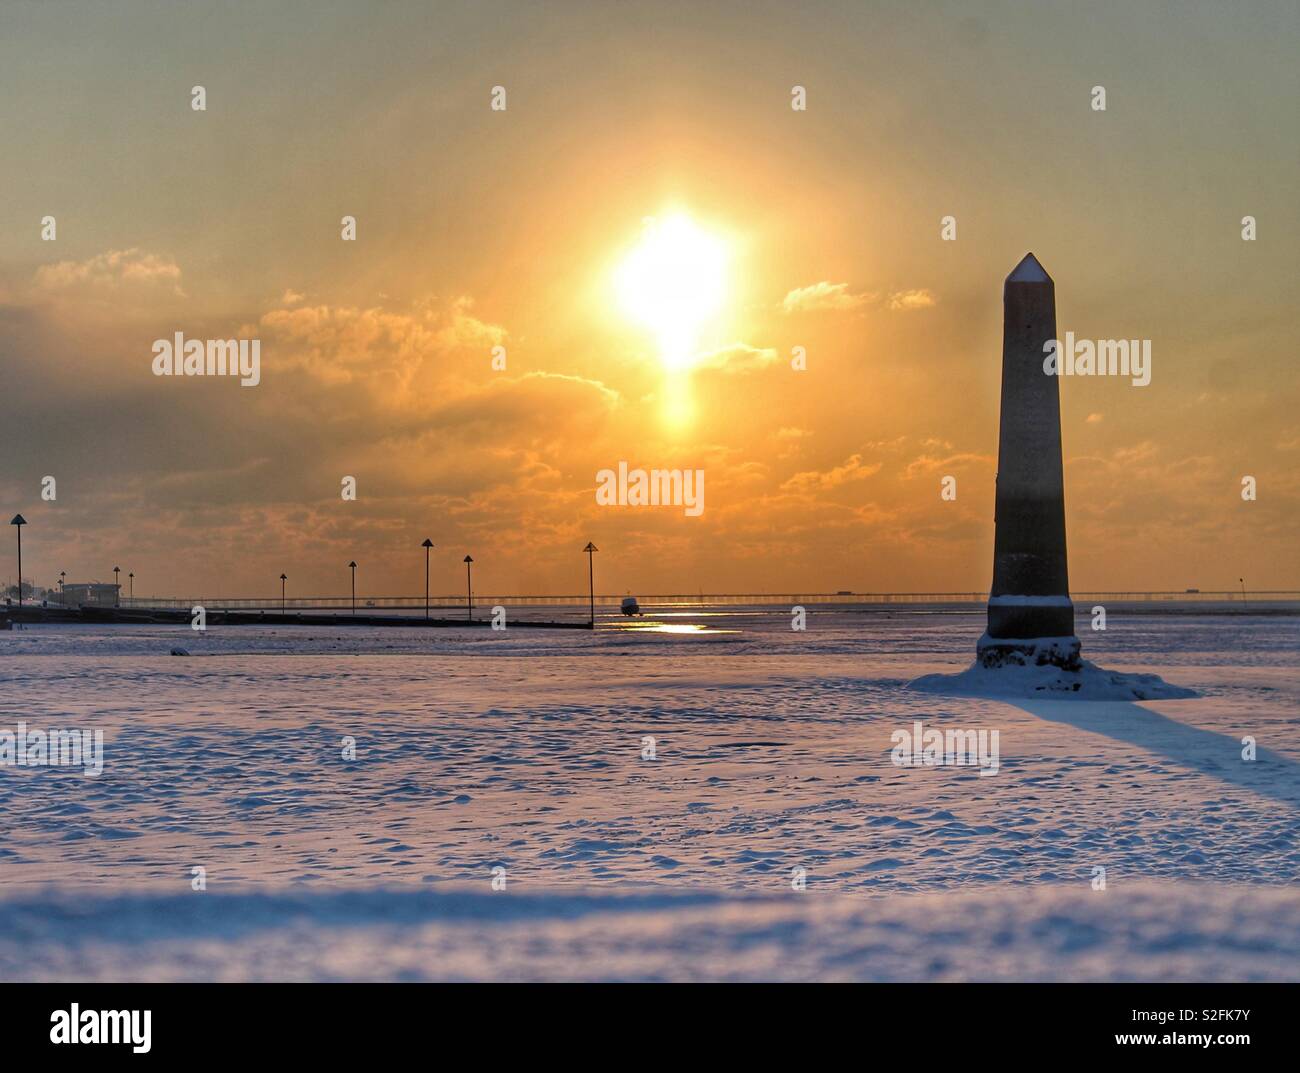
pixel 284 577
pixel 352 565
pixel 427 543
pixel 17 519
pixel 467 559
pixel 590 547
pixel 131 574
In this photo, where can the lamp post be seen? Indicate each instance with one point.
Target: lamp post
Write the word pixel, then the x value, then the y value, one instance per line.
pixel 19 521
pixel 469 590
pixel 117 585
pixel 63 596
pixel 283 579
pixel 426 546
pixel 591 549
pixel 1241 579
pixel 353 567
pixel 130 582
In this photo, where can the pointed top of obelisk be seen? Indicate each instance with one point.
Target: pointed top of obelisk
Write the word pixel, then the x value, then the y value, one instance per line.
pixel 1029 271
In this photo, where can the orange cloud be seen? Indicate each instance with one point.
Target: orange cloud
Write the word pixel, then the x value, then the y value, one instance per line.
pixel 852 469
pixel 824 296
pixel 737 358
pixel 340 344
pixel 906 301
pixel 109 272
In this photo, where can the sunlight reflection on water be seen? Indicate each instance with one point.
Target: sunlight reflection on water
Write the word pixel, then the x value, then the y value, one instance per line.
pixel 670 627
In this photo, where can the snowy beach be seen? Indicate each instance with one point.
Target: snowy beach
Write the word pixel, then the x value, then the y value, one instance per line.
pixel 524 757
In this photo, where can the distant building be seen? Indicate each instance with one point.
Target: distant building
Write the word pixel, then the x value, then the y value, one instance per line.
pixel 90 594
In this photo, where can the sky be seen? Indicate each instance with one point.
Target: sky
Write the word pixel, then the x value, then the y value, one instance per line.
pixel 480 227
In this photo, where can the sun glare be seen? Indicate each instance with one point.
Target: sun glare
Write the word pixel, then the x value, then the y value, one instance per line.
pixel 672 283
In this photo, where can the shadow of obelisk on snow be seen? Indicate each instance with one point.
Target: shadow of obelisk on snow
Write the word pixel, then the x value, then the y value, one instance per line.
pixel 1030 615
pixel 1190 747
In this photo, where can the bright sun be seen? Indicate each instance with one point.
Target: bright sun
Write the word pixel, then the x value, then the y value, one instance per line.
pixel 672 283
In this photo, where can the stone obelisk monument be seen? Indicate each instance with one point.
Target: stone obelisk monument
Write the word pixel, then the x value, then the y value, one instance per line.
pixel 1031 616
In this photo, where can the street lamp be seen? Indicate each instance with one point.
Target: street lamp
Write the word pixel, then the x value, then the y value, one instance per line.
pixel 283 579
pixel 426 546
pixel 130 581
pixel 19 521
pixel 63 596
pixel 117 594
pixel 591 549
pixel 469 590
pixel 353 568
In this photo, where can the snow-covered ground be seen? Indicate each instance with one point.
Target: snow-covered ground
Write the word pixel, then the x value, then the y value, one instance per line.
pixel 526 751
pixel 1132 932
